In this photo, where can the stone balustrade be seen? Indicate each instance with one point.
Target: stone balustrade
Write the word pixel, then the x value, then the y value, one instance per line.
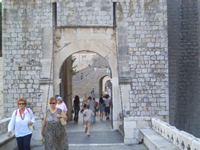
pixel 181 139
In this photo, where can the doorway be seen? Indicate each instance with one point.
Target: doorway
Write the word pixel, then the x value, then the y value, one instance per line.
pixel 101 41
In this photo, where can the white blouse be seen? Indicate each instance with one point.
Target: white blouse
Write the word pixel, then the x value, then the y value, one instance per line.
pixel 21 126
pixel 107 101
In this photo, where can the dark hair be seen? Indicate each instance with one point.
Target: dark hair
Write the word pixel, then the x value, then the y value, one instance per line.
pixel 101 100
pixel 76 100
pixel 89 97
pixel 94 99
pixel 107 96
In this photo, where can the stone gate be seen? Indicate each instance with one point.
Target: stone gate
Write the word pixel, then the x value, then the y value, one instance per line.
pixel 140 38
pixel 131 35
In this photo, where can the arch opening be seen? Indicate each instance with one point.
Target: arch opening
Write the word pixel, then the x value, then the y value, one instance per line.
pixel 99 41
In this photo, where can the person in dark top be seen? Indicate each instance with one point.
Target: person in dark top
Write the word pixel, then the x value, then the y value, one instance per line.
pixel 76 106
pixel 101 107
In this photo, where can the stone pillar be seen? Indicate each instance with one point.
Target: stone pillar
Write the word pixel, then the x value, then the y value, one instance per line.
pixel 66 85
pixel 132 126
pixel 1 88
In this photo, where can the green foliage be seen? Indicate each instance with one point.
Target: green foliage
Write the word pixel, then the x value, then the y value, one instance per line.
pixel 74 71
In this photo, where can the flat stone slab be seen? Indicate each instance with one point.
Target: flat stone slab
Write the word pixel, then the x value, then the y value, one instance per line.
pixel 155 141
pixel 101 147
pixel 96 137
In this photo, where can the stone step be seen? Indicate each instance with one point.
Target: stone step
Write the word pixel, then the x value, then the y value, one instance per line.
pixel 100 147
pixel 155 141
pixel 96 137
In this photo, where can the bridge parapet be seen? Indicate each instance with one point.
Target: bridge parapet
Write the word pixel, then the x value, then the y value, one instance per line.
pixel 181 139
pixel 6 142
pixel 133 133
pixel 9 143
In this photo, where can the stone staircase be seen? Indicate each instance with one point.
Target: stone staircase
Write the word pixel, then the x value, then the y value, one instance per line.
pixel 90 80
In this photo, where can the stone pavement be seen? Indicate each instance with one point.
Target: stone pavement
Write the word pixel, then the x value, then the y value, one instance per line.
pixel 102 137
pixel 101 147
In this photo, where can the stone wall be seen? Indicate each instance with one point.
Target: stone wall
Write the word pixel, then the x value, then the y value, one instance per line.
pixel 184 66
pixel 132 126
pixel 88 78
pixel 142 36
pixel 85 85
pixel 24 24
pixel 1 88
pixel 83 13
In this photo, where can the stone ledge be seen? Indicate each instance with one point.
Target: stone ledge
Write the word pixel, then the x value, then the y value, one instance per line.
pixel 4 125
pixel 7 142
pixel 179 138
pixel 137 118
pixel 154 141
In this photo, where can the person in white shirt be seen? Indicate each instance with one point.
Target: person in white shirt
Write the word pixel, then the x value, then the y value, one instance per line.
pixel 87 119
pixel 21 119
pixel 60 104
pixel 92 105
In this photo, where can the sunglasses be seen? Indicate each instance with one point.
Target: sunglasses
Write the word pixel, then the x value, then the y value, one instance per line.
pixel 21 103
pixel 51 103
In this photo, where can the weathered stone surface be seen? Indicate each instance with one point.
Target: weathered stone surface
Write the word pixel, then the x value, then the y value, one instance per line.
pixel 138 42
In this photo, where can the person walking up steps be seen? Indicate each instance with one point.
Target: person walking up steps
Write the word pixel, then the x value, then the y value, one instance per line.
pixel 76 106
pixel 107 102
pixel 92 104
pixel 92 93
pixel 87 119
pixel 101 108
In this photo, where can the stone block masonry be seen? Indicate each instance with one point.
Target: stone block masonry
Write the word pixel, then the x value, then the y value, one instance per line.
pixel 142 28
pixel 141 41
pixel 23 43
pixel 84 13
pixel 184 83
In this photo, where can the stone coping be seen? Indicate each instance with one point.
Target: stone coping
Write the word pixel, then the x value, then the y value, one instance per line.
pixel 179 138
pixel 4 125
pixel 154 141
pixel 4 139
pixel 137 118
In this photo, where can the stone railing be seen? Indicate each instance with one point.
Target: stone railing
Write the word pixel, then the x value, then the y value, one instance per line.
pixel 6 142
pixel 11 143
pixel 181 139
pixel 4 125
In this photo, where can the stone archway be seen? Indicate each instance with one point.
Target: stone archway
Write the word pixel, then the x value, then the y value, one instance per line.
pixel 98 40
pixel 102 81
